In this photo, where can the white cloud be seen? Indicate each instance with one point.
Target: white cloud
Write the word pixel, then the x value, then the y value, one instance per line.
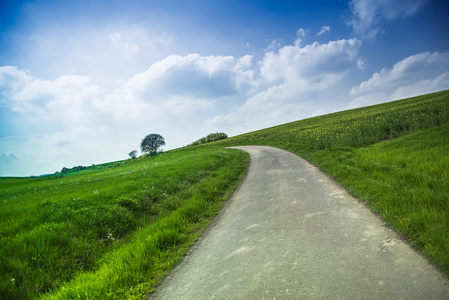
pixel 195 80
pixel 406 72
pixel 369 99
pixel 172 97
pixel 361 63
pixel 104 53
pixel 323 30
pixel 115 37
pixel 180 97
pixel 314 62
pixel 421 73
pixel 367 15
pixel 289 80
pixel 301 33
pixel 67 98
pixel 420 87
pixel 172 85
pixel 274 45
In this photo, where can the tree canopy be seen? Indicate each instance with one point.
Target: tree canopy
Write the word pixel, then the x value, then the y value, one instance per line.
pixel 151 143
pixel 133 154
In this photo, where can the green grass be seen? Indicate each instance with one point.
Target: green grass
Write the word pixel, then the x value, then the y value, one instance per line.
pixel 405 181
pixel 357 127
pixel 114 232
pixel 414 169
pixel 109 233
pixel 393 156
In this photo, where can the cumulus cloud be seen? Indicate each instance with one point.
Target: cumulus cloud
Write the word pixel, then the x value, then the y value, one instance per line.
pixel 367 15
pixel 424 86
pixel 288 79
pixel 312 63
pixel 190 81
pixel 175 95
pixel 405 72
pixel 68 97
pixel 174 84
pixel 12 80
pixel 172 96
pixel 421 73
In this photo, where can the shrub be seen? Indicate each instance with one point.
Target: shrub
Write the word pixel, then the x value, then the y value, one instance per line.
pixel 210 138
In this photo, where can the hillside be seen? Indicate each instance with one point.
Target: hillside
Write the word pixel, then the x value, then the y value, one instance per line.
pixel 392 156
pixel 115 232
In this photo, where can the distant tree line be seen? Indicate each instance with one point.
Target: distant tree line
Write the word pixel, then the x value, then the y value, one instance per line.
pixel 210 138
pixel 71 170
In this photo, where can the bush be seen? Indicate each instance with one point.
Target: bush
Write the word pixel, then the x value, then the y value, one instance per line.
pixel 210 138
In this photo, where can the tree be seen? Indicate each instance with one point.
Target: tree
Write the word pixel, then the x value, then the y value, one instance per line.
pixel 133 154
pixel 151 143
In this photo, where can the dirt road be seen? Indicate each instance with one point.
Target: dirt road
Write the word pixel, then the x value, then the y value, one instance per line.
pixel 289 232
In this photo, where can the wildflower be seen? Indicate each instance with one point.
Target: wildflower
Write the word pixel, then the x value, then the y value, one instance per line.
pixel 95 192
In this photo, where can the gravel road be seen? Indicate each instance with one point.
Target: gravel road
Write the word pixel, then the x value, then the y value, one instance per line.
pixel 289 232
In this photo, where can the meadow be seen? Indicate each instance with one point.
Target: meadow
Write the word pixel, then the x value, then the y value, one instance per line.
pixel 392 156
pixel 110 233
pixel 114 232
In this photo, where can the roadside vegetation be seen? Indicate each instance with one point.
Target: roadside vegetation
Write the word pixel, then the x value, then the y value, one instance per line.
pixel 393 156
pixel 109 233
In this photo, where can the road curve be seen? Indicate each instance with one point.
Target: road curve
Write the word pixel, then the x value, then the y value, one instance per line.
pixel 289 232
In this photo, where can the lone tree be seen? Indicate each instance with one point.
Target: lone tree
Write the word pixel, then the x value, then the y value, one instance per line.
pixel 151 143
pixel 133 154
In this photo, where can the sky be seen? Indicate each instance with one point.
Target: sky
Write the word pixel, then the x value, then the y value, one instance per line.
pixel 83 82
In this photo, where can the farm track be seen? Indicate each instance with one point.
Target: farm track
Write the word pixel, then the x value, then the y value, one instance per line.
pixel 290 232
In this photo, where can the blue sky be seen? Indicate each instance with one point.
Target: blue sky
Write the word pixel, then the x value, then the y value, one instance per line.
pixel 83 82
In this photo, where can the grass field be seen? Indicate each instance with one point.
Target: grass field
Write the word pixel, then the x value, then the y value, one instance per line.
pixel 393 156
pixel 113 233
pixel 109 233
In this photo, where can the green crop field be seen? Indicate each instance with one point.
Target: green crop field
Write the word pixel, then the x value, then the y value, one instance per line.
pixel 114 232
